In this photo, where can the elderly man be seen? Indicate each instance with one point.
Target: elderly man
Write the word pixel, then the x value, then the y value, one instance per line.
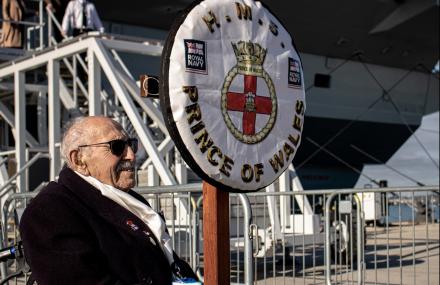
pixel 90 227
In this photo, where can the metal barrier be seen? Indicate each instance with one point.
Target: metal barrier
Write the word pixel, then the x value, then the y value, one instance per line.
pixel 359 232
pixel 20 172
pixel 403 249
pixel 241 244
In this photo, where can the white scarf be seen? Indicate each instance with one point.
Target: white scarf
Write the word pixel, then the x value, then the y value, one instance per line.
pixel 139 209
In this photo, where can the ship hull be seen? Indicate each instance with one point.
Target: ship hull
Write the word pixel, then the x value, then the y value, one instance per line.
pixel 341 158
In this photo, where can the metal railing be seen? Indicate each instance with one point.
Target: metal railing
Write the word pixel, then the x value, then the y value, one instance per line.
pixel 405 246
pixel 359 233
pixel 21 171
pixel 54 25
pixel 32 28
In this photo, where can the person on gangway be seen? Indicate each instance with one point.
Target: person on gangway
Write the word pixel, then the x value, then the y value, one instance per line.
pixel 81 16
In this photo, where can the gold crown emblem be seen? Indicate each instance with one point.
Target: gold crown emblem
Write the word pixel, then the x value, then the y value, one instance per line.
pixel 249 53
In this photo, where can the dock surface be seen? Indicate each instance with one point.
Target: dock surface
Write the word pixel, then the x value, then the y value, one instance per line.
pixel 397 254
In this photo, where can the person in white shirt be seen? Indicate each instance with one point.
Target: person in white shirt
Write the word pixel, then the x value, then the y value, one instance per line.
pixel 81 16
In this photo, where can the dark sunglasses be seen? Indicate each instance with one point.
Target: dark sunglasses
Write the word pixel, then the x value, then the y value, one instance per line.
pixel 117 147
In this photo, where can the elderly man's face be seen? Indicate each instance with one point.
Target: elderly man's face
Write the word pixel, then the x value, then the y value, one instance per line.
pixel 101 163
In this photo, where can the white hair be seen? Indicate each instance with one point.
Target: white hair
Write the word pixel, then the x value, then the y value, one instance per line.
pixel 74 136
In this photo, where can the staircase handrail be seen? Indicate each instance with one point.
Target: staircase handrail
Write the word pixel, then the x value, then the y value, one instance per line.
pixel 72 71
pixel 21 170
pixel 24 23
pixel 3 161
pixel 51 40
pixel 53 19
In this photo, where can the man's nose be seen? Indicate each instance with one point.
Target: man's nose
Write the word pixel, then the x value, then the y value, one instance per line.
pixel 129 153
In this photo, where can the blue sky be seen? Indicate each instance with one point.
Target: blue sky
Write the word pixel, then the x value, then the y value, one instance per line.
pixel 411 159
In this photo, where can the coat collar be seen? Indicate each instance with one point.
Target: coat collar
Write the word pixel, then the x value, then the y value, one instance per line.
pixel 89 195
pixel 105 207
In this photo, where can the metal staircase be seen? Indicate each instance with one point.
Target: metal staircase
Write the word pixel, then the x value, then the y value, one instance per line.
pixel 67 97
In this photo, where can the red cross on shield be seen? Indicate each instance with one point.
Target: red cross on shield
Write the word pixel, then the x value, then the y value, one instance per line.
pixel 249 103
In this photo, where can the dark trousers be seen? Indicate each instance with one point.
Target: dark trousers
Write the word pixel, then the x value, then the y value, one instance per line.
pixel 77 32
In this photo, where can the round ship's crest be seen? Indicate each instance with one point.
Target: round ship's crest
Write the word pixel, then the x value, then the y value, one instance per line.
pixel 250 59
pixel 232 93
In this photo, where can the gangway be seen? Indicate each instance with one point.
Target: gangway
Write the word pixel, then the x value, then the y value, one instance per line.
pixel 122 100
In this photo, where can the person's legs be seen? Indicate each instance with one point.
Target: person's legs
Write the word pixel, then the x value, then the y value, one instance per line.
pixel 76 32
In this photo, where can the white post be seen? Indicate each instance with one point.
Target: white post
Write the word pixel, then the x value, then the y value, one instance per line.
pixel 303 202
pixel 3 176
pixel 152 176
pixel 40 27
pixel 153 180
pixel 26 172
pixel 285 205
pixel 20 126
pixel 42 118
pixel 53 72
pixel 180 168
pixel 182 178
pixel 273 213
pixel 49 30
pixel 75 83
pixel 94 84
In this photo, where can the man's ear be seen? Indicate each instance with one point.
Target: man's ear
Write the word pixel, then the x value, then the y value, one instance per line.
pixel 78 162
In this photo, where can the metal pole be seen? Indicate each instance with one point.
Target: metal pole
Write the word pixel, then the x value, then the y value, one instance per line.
pixel 327 239
pixel 20 125
pixel 26 173
pixel 53 71
pixel 49 29
pixel 180 168
pixel 194 232
pixel 248 251
pixel 40 8
pixel 273 212
pixel 94 84
pixel 42 117
pixel 284 186
pixel 360 240
pixel 28 38
pixel 122 64
pixel 75 83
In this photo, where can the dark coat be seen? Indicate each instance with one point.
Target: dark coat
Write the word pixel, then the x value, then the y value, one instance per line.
pixel 72 234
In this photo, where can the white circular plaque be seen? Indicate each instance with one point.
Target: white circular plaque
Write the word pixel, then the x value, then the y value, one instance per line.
pixel 232 93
